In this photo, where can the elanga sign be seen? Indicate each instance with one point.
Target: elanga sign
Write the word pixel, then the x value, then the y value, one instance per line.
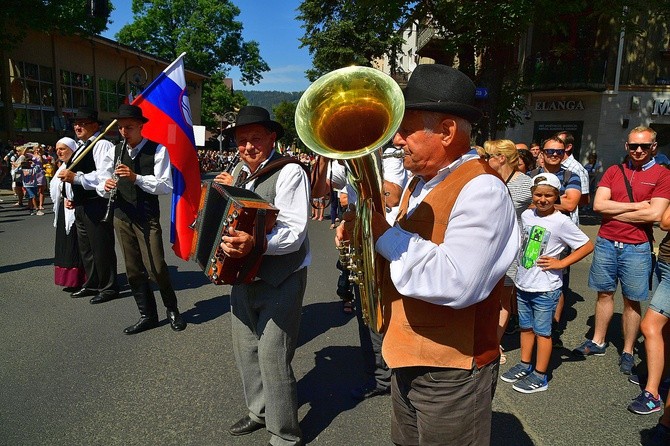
pixel 661 107
pixel 559 105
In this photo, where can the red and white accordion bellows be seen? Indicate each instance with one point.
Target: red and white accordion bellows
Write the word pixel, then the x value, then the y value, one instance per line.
pixel 222 207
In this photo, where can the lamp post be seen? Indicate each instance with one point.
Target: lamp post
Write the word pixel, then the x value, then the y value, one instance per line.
pixel 138 78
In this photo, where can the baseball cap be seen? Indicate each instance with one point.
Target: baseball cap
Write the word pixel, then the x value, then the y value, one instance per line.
pixel 548 179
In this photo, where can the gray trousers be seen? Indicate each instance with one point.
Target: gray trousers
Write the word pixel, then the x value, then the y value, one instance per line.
pixel 265 326
pixel 441 406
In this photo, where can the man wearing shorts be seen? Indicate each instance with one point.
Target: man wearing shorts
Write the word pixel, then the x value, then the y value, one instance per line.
pixel 630 198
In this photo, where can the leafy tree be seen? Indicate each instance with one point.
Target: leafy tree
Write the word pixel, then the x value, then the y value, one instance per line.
pixel 208 32
pixel 284 114
pixel 481 34
pixel 65 16
pixel 219 100
pixel 339 33
pixel 206 29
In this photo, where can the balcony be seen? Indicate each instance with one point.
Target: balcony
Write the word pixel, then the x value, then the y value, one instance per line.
pixel 578 70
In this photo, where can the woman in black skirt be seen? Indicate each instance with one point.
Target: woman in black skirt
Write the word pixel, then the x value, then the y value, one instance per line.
pixel 69 270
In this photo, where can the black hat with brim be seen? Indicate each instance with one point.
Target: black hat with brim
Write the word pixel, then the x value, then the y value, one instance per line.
pixel 442 89
pixel 86 114
pixel 255 115
pixel 127 111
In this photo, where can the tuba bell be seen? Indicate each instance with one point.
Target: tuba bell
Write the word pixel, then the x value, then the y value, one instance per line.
pixel 349 114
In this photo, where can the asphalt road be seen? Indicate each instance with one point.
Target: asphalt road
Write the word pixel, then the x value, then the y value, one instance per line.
pixel 70 376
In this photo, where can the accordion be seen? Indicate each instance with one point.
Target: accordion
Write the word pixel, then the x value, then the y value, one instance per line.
pixel 222 207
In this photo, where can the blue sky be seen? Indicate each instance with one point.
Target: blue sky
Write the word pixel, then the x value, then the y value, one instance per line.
pixel 273 25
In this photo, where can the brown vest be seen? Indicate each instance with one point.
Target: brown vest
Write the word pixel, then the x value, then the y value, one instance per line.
pixel 423 334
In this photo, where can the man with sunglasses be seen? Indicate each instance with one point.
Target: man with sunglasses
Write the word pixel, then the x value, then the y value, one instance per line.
pixel 630 198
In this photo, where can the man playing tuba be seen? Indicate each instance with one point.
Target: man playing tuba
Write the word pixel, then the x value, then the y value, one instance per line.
pixel 453 239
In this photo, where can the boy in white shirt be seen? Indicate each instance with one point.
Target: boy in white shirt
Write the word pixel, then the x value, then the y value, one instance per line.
pixel 547 233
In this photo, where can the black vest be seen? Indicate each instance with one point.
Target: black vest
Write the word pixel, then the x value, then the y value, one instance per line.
pixel 86 165
pixel 132 203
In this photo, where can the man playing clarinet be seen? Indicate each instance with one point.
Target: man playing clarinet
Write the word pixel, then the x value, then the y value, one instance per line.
pixel 96 237
pixel 142 173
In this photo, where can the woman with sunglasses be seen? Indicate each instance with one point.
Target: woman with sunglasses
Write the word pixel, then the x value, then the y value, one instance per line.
pixel 503 157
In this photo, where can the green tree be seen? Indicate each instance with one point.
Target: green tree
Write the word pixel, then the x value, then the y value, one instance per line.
pixel 205 29
pixel 208 32
pixel 284 114
pixel 65 16
pixel 481 34
pixel 219 100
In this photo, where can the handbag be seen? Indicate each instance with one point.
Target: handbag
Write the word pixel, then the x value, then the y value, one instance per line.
pixel 649 230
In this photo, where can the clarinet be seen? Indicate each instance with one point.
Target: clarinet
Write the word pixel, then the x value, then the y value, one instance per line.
pixel 112 193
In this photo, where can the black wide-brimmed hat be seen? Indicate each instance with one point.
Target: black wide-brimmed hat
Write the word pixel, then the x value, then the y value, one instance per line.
pixel 127 111
pixel 88 114
pixel 255 115
pixel 439 88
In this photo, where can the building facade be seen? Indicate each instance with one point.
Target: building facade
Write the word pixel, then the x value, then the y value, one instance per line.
pixel 596 81
pixel 48 76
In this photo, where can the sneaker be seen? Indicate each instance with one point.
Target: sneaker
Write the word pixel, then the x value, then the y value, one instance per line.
pixel 516 373
pixel 531 384
pixel 32 212
pixel 637 379
pixel 644 404
pixel 39 213
pixel 659 436
pixel 626 363
pixel 588 348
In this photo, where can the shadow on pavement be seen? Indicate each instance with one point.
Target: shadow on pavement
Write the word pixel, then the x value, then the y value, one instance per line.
pixel 506 429
pixel 24 265
pixel 326 388
pixel 187 280
pixel 207 310
pixel 320 317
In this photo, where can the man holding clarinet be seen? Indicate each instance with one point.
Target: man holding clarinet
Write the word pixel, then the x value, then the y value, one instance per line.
pixel 142 172
pixel 93 160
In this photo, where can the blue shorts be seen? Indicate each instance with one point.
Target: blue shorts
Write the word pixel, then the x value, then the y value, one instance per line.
pixel 31 191
pixel 536 310
pixel 621 262
pixel 660 302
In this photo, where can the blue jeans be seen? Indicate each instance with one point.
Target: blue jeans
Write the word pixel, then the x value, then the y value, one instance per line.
pixel 621 262
pixel 536 310
pixel 660 302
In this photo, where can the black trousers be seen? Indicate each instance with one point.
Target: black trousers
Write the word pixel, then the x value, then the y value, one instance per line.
pixel 96 246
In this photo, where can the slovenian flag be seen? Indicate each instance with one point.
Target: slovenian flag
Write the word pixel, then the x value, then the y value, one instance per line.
pixel 165 103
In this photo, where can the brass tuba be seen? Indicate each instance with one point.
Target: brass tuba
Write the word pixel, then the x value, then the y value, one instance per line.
pixel 348 114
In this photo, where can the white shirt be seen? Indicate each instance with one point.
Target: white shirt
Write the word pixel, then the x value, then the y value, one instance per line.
pixel 336 174
pixel 292 200
pixel 55 190
pixel 573 165
pixel 103 156
pixel 160 183
pixel 559 233
pixel 479 244
pixel 393 171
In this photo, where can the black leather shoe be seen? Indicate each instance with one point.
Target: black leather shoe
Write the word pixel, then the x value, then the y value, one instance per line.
pixel 245 426
pixel 177 323
pixel 84 292
pixel 102 298
pixel 368 391
pixel 71 289
pixel 145 323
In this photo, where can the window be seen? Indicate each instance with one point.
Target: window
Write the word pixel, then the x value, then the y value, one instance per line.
pixel 110 96
pixel 32 96
pixel 76 90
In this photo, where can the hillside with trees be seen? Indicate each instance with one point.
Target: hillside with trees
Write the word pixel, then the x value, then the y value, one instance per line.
pixel 269 99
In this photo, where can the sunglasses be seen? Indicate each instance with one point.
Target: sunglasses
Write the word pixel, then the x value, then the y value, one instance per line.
pixel 552 152
pixel 644 146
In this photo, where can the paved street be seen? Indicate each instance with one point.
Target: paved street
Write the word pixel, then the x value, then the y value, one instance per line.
pixel 71 377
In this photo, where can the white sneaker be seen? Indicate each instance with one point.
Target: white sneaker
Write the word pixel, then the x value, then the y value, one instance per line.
pixel 39 213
